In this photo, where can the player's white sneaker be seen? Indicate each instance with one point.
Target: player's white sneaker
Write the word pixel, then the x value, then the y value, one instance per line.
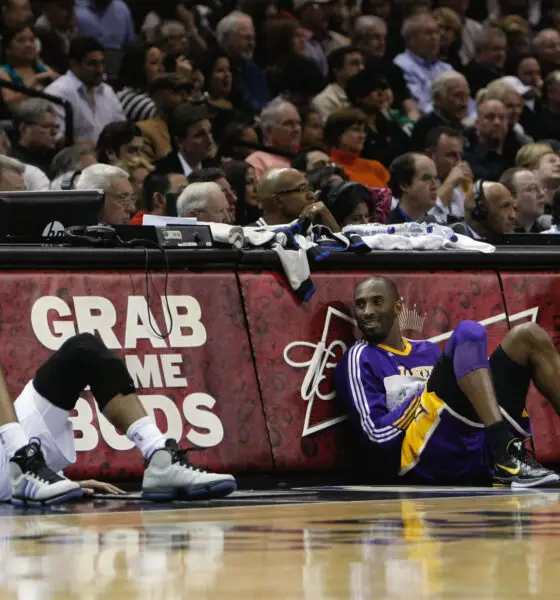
pixel 34 483
pixel 170 476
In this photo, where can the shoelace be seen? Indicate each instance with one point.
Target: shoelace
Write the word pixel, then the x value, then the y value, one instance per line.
pixel 528 456
pixel 37 466
pixel 180 455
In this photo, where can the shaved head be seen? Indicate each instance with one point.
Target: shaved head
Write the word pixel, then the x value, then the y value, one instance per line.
pixel 389 284
pixel 494 191
pixel 500 209
pixel 275 180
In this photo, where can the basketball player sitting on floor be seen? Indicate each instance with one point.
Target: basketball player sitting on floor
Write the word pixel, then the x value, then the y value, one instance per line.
pixel 38 440
pixel 466 423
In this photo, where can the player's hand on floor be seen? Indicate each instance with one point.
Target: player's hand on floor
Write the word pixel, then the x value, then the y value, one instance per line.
pixel 92 486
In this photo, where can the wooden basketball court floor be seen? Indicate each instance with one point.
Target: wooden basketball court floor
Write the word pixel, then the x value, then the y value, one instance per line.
pixel 313 543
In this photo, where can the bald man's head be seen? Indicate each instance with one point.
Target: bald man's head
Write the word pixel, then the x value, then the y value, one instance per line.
pixel 496 214
pixel 273 181
pixel 282 195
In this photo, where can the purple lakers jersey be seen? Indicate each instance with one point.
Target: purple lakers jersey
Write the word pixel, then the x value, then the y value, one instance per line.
pixel 380 385
pixel 385 393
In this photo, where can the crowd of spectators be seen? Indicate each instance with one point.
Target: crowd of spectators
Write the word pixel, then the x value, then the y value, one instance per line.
pixel 263 111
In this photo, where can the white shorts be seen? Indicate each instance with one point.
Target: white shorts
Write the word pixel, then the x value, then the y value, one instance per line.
pixel 50 424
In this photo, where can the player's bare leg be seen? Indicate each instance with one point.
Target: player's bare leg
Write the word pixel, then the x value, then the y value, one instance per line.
pixel 84 360
pixel 530 346
pixel 468 348
pixel 478 387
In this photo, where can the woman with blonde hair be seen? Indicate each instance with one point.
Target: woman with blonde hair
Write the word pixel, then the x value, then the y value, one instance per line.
pixel 450 36
pixel 545 163
pixel 529 156
pixel 138 168
pixel 518 35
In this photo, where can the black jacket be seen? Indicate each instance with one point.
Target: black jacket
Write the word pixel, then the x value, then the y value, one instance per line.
pixel 41 159
pixel 169 164
pixel 424 125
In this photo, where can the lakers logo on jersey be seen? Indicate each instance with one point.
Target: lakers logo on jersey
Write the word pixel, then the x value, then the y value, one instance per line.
pixel 422 372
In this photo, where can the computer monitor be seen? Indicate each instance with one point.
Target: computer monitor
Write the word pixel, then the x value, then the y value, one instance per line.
pixel 42 217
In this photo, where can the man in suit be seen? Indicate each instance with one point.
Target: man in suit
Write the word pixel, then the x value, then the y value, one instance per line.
pixel 414 183
pixel 190 130
pixel 168 92
pixel 489 59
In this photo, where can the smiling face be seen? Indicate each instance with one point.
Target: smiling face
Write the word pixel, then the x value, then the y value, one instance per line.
pixel 376 308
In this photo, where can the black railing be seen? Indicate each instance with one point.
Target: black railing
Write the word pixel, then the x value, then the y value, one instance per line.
pixel 68 111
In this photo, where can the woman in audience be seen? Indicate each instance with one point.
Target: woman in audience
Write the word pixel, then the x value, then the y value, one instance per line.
pixel 215 69
pixel 312 128
pixel 235 134
pixel 545 163
pixel 518 35
pixel 345 134
pixel 243 180
pixel 140 64
pixel 320 177
pixel 138 169
pixel 349 203
pixel 285 38
pixel 388 130
pixel 450 36
pixel 22 64
pixel 310 159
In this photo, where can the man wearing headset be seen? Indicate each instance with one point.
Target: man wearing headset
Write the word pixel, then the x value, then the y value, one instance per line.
pixel 489 212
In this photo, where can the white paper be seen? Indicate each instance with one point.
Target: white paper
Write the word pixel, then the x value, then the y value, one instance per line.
pixel 158 221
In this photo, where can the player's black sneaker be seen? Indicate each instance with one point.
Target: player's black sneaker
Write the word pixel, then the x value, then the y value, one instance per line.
pixel 34 483
pixel 517 469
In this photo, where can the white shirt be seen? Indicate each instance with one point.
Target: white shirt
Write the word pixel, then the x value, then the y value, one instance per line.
pixel 187 169
pixel 471 30
pixel 35 180
pixel 332 98
pixel 456 206
pixel 89 118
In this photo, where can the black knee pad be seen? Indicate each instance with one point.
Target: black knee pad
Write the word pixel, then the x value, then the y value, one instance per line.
pixel 81 361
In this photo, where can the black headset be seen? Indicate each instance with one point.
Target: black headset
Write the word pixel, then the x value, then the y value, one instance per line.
pixel 93 235
pixel 104 236
pixel 480 210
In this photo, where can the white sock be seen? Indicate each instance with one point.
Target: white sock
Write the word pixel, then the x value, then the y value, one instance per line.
pixel 13 438
pixel 146 435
